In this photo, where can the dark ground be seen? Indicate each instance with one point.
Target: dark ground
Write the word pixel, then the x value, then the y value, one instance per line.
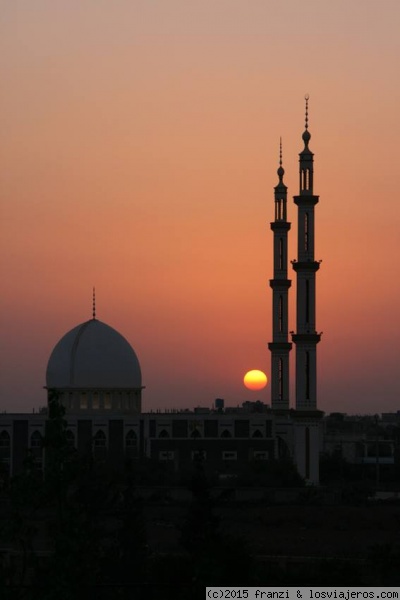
pixel 319 531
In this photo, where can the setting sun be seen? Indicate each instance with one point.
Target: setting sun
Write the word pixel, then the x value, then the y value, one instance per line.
pixel 255 380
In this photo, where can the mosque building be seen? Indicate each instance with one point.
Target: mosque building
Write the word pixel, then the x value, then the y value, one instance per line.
pixel 96 375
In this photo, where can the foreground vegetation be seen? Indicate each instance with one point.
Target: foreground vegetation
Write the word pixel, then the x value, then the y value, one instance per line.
pixel 84 531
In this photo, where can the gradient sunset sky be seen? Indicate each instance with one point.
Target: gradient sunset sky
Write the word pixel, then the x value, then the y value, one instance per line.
pixel 139 148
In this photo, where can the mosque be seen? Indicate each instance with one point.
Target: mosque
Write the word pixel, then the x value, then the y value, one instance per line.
pixel 97 377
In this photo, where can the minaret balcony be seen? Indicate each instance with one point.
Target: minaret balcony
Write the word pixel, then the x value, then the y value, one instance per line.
pixel 280 284
pixel 309 265
pixel 306 338
pixel 280 346
pixel 280 226
pixel 306 199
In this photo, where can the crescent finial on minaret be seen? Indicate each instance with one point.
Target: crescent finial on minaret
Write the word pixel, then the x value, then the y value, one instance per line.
pixel 306 135
pixel 306 98
pixel 281 170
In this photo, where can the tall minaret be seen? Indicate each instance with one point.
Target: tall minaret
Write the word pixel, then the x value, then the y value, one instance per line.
pixel 306 338
pixel 280 284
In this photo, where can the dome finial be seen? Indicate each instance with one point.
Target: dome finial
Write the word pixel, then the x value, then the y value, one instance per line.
pixel 281 170
pixel 94 303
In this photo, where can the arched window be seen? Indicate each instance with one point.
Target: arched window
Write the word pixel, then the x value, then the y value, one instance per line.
pixel 257 434
pixel 226 434
pixel 4 439
pixel 70 438
pixel 131 439
pixel 131 444
pixel 163 434
pixel 36 440
pixel 100 440
pixel 100 446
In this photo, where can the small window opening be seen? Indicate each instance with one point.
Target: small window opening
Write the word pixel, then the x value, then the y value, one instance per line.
pixel 306 225
pixel 95 401
pixel 307 375
pixel 307 452
pixel 305 180
pixel 107 400
pixel 307 301
pixel 84 402
pixel 280 379
pixel 280 253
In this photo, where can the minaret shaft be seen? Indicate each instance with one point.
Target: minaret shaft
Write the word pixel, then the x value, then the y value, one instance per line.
pixel 280 284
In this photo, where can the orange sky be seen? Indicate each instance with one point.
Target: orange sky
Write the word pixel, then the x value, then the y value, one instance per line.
pixel 139 148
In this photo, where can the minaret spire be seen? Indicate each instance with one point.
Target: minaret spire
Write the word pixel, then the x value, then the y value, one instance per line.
pixel 280 284
pixel 306 98
pixel 94 303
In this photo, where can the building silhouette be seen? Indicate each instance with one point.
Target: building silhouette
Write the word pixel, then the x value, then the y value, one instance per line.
pixel 306 338
pixel 280 284
pixel 299 429
pixel 308 427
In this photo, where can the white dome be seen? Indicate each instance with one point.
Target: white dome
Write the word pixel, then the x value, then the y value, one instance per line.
pixel 93 355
